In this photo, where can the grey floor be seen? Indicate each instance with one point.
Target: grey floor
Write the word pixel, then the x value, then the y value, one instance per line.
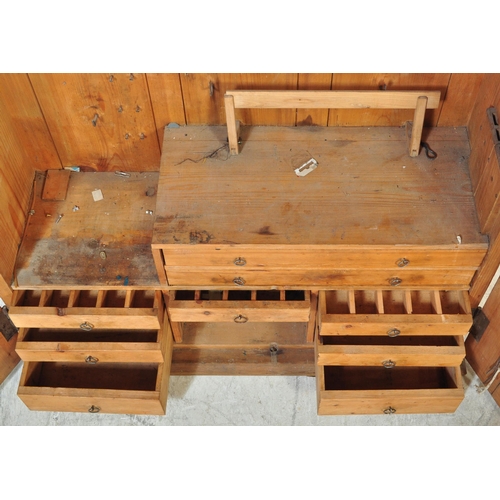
pixel 247 401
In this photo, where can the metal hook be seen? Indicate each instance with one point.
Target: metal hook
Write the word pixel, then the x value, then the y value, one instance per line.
pixel 430 153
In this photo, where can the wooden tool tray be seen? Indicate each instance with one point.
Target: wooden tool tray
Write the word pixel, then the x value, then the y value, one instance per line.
pixel 394 312
pixel 86 309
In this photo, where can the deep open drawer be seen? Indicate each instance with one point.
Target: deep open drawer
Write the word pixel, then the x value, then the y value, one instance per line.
pixel 394 312
pixel 344 390
pixel 137 388
pixel 239 306
pixel 86 309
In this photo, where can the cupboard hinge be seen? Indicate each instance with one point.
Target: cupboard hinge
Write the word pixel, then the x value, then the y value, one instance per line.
pixel 479 324
pixel 7 328
pixel 494 120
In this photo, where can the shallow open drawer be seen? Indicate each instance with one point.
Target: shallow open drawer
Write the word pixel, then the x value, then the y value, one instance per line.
pixel 344 390
pixel 239 306
pixel 444 350
pixel 86 309
pixel 97 345
pixel 394 312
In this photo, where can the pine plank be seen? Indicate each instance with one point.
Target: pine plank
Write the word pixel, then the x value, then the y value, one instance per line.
pixel 313 81
pixel 389 81
pixel 122 137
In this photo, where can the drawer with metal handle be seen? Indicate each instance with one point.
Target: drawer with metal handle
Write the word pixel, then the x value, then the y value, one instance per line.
pixel 362 390
pixel 239 306
pixel 393 313
pixel 86 309
pixel 98 386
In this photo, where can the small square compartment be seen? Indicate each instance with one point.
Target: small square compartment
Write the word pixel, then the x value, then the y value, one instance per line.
pixel 394 302
pixel 366 301
pixel 337 302
pixel 455 302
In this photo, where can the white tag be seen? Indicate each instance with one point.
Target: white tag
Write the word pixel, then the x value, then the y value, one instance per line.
pixel 307 168
pixel 97 195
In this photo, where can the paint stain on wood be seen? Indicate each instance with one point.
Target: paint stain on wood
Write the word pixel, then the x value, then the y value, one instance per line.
pixel 264 230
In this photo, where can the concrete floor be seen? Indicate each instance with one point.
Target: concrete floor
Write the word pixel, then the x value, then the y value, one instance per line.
pixel 247 401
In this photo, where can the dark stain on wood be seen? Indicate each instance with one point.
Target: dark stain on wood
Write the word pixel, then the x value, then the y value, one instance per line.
pixel 196 237
pixel 264 230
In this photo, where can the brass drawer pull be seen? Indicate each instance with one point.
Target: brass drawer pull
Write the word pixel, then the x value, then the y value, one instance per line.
pixel 240 319
pixel 389 411
pixel 239 281
pixel 393 332
pixel 87 326
pixel 402 262
pixel 240 261
pixel 91 360
pixel 388 363
pixel 395 281
pixel 94 409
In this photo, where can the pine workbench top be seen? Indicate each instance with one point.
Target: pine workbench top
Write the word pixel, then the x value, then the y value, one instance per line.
pixel 366 189
pixel 103 243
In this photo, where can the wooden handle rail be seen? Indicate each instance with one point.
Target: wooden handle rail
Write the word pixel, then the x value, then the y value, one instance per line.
pixel 331 99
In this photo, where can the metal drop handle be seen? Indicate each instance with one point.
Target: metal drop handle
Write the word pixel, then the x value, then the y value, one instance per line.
pixel 240 319
pixel 240 261
pixel 87 326
pixel 94 409
pixel 390 410
pixel 91 360
pixel 395 281
pixel 393 332
pixel 402 262
pixel 239 281
pixel 388 363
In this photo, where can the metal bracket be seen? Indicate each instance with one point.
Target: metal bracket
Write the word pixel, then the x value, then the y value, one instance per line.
pixel 7 328
pixel 494 120
pixel 479 324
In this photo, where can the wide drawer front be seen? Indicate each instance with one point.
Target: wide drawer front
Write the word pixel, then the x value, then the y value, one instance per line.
pixel 314 277
pixel 394 312
pixel 92 347
pixel 390 352
pixel 239 306
pixel 86 309
pixel 338 256
pixel 376 390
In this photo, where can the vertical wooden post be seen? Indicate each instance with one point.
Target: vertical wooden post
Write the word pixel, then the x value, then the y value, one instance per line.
pixel 232 126
pixel 418 125
pixel 5 291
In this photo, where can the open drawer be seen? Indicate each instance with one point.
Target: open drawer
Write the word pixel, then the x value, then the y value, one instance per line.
pixel 239 306
pixel 86 309
pixel 349 350
pixel 394 312
pixel 344 390
pixel 97 345
pixel 137 388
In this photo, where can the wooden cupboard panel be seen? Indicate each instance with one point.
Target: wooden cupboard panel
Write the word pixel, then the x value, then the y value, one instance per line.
pixel 460 98
pixel 100 122
pixel 313 81
pixel 166 100
pixel 204 97
pixel 394 81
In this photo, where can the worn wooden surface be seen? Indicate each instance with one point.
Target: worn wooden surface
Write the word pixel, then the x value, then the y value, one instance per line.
pixel 366 190
pixel 100 121
pixel 68 253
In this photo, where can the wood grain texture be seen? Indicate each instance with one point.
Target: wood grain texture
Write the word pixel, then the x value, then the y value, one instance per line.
pixel 100 122
pixel 484 355
pixel 363 192
pixel 460 98
pixel 8 356
pixel 313 81
pixel 68 253
pixel 204 97
pixel 394 81
pixel 166 100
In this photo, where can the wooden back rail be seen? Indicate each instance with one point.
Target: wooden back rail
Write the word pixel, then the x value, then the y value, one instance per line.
pixel 331 99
